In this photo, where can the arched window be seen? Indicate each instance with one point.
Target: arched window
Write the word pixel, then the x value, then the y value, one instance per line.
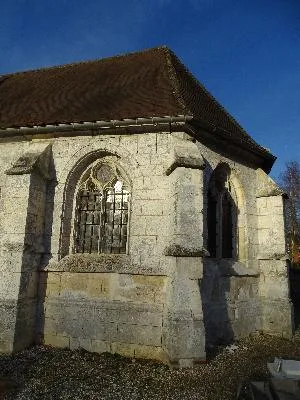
pixel 101 213
pixel 221 215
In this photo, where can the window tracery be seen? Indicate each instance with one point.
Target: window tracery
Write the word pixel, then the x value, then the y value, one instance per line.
pixel 101 213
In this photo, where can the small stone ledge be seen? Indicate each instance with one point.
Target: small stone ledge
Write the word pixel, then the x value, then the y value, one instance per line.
pixel 114 263
pixel 187 158
pixel 90 263
pixel 270 193
pixel 266 186
pixel 177 250
pixel 24 164
pixel 32 160
pixel 273 256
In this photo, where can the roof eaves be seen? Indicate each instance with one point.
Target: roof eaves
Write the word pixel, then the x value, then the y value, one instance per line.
pixel 77 126
pixel 246 142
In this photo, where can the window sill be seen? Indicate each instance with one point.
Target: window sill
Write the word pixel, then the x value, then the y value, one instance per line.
pixel 85 262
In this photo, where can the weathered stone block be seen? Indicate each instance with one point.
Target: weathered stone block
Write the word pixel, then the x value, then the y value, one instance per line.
pixel 6 344
pixel 152 207
pixel 273 268
pixel 81 343
pixel 101 330
pixel 191 267
pixel 124 349
pixel 150 182
pixel 185 340
pixel 52 289
pixel 10 284
pixel 271 221
pixel 150 280
pixel 140 293
pixel 56 340
pixel 277 317
pixel 140 334
pixel 156 225
pixel 150 352
pixel 276 288
pixel 51 325
pixel 163 143
pixel 73 285
pixel 137 317
pixel 99 284
pixel 100 346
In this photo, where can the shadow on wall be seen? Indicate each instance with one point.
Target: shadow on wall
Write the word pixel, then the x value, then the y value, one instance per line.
pixel 35 254
pixel 215 292
pixel 220 237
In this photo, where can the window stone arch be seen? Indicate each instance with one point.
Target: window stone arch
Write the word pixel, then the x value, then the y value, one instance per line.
pixel 222 215
pixel 96 181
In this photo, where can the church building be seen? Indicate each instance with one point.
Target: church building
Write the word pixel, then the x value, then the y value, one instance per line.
pixel 137 216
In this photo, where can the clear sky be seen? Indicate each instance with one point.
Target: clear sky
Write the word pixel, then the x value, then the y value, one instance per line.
pixel 246 52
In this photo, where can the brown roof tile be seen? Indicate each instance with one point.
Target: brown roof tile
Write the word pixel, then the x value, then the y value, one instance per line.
pixel 151 83
pixel 130 86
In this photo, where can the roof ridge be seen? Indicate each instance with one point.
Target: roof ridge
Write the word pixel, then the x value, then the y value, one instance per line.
pixel 96 60
pixel 169 54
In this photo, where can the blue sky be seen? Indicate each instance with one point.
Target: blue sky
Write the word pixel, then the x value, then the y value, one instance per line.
pixel 246 52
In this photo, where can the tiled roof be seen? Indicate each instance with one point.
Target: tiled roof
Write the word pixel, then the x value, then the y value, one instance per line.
pixel 150 83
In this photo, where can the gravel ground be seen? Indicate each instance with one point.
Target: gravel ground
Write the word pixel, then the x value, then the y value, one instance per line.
pixel 47 373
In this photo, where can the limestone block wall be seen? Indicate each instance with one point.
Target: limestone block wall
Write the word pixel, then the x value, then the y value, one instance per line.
pixel 22 222
pixel 184 327
pixel 187 200
pixel 103 311
pixel 184 336
pixel 230 287
pixel 260 266
pixel 277 313
pixel 164 297
pixel 142 158
pixel 244 181
pixel 271 232
pixel 230 300
pixel 157 219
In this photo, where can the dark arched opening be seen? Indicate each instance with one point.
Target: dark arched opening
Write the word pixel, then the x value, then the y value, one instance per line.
pixel 221 215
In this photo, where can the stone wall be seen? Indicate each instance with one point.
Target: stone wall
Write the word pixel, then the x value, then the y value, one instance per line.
pixel 162 299
pixel 277 309
pixel 230 300
pixel 149 304
pixel 22 224
pixel 105 309
pixel 250 293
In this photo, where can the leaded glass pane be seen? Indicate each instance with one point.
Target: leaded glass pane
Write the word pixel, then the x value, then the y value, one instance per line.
pixel 101 212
